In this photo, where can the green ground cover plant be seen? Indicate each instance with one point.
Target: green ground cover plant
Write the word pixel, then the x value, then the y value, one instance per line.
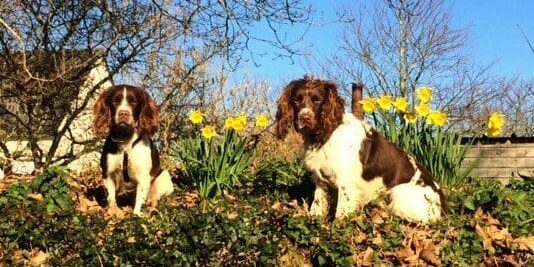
pixel 488 225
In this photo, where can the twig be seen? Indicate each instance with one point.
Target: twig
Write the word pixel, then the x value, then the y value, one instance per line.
pixel 14 33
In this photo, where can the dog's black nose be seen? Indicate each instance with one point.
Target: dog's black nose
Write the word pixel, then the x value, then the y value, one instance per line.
pixel 123 115
pixel 306 117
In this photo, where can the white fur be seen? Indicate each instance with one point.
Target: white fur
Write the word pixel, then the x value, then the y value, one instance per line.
pixel 139 165
pixel 337 164
pixel 414 202
pixel 338 160
pixel 124 106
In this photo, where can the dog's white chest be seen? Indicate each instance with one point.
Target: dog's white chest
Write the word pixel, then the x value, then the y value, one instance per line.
pixel 339 155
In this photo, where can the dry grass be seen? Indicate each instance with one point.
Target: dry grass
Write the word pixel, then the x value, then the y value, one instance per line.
pixel 269 148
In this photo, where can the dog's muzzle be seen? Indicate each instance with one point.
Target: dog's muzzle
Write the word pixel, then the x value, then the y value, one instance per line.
pixel 121 132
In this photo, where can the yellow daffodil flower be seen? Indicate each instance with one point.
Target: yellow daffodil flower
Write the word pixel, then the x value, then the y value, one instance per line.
pixel 401 104
pixel 422 109
pixel 368 104
pixel 410 117
pixel 424 94
pixel 236 123
pixel 196 116
pixel 385 102
pixel 208 132
pixel 437 118
pixel 262 121
pixel 242 119
pixel 496 120
pixel 493 132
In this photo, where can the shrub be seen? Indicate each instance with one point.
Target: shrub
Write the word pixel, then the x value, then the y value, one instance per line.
pixel 283 180
pixel 511 204
pixel 258 230
pixel 50 190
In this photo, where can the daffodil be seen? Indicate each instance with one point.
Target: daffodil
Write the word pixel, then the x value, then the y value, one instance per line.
pixel 242 119
pixel 496 120
pixel 368 104
pixel 236 123
pixel 262 121
pixel 208 132
pixel 437 118
pixel 401 104
pixel 385 102
pixel 492 132
pixel 422 109
pixel 424 94
pixel 196 116
pixel 410 117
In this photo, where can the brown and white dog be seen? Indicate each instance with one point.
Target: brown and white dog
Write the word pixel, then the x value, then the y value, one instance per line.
pixel 345 154
pixel 128 117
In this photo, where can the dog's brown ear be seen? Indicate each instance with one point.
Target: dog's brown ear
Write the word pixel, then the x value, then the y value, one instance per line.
pixel 102 115
pixel 333 109
pixel 148 118
pixel 285 114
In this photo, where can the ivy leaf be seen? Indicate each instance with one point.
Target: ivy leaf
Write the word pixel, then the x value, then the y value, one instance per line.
pixel 469 203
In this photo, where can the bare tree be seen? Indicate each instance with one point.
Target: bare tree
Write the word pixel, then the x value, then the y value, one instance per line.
pixel 47 48
pixel 402 43
pixel 396 46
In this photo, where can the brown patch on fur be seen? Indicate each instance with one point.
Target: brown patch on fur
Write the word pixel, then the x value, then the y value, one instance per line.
pixel 381 158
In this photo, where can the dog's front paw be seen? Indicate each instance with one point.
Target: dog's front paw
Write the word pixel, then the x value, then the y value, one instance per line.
pixel 340 214
pixel 344 210
pixel 137 211
pixel 318 210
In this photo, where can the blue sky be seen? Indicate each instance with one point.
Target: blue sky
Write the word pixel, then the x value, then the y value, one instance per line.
pixel 494 36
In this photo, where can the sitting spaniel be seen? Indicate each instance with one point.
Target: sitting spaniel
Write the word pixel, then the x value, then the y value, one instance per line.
pixel 350 159
pixel 128 117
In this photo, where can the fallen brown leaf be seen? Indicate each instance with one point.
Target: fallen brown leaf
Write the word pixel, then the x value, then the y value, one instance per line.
pixel 368 257
pixel 232 215
pixel 524 243
pixel 231 197
pixel 38 258
pixel 376 217
pixel 277 206
pixel 36 196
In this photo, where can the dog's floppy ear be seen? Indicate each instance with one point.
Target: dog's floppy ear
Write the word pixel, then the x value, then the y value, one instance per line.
pixel 148 118
pixel 285 114
pixel 333 108
pixel 102 115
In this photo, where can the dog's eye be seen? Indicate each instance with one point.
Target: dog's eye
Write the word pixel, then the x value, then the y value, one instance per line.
pixel 316 99
pixel 132 101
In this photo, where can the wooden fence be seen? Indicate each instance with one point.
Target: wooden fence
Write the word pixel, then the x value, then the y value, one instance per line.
pixel 502 158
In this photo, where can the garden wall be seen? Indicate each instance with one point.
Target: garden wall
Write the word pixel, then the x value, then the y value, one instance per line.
pixel 502 158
